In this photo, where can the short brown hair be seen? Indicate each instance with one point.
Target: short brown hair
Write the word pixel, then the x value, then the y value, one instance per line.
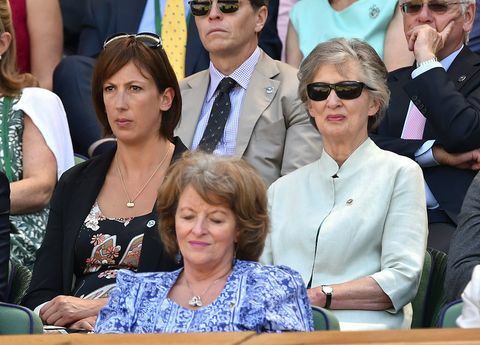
pixel 154 61
pixel 11 81
pixel 338 52
pixel 230 182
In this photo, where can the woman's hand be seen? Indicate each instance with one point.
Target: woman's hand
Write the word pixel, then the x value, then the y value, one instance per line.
pixel 87 323
pixel 65 310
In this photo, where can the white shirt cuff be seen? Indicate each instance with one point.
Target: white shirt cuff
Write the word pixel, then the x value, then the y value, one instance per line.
pixel 424 68
pixel 37 309
pixel 424 155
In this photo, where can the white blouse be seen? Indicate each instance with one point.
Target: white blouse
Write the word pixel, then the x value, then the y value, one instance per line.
pixel 47 113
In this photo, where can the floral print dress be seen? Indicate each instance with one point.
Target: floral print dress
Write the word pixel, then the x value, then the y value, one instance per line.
pixel 105 245
pixel 27 229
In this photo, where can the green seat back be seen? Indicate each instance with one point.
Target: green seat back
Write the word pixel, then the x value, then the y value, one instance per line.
pixel 15 319
pixel 419 303
pixel 430 296
pixel 436 292
pixel 449 314
pixel 19 278
pixel 324 319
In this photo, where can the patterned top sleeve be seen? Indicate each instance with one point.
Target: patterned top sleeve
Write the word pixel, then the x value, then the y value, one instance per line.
pixel 118 315
pixel 287 307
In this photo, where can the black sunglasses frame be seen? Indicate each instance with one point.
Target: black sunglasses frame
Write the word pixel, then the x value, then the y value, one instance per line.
pixel 202 8
pixel 148 38
pixel 356 88
pixel 440 7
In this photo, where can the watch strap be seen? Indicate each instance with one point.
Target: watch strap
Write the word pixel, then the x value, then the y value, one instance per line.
pixel 328 298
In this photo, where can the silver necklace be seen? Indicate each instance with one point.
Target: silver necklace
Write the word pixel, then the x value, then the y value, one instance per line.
pixel 196 300
pixel 131 202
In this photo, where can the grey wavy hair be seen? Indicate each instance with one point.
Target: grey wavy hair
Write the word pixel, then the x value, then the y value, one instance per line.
pixel 463 10
pixel 464 5
pixel 339 52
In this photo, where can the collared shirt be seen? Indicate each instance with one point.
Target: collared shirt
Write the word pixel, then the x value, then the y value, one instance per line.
pixel 242 76
pixel 424 155
pixel 147 24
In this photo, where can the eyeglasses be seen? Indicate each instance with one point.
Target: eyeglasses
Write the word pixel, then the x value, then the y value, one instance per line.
pixel 437 6
pixel 149 39
pixel 202 7
pixel 345 90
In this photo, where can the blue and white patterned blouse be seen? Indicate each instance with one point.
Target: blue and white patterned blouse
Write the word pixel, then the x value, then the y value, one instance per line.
pixel 255 297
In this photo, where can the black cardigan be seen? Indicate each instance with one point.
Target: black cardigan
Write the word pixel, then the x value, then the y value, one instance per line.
pixel 72 200
pixel 4 235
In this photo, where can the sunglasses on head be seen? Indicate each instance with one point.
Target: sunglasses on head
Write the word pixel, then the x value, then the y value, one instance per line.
pixel 345 90
pixel 149 39
pixel 437 6
pixel 202 7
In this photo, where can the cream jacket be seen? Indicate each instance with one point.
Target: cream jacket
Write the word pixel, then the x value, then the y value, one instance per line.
pixel 369 221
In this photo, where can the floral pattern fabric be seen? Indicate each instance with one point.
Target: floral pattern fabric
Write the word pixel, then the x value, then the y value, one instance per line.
pixel 28 230
pixel 255 297
pixel 105 245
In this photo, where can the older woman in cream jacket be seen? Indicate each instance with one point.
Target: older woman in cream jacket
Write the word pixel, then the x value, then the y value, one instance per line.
pixel 354 222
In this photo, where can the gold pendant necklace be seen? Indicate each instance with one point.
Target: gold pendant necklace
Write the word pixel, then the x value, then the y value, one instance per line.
pixel 131 202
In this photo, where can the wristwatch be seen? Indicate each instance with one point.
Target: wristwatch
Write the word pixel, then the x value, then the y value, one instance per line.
pixel 328 291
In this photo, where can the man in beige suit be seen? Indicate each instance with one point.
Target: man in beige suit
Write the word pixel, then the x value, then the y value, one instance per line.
pixel 259 116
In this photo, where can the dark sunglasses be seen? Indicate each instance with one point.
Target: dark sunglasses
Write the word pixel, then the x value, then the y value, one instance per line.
pixel 149 39
pixel 345 90
pixel 437 6
pixel 202 7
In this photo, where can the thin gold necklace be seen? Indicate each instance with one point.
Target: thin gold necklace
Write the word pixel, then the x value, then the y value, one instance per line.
pixel 196 300
pixel 131 202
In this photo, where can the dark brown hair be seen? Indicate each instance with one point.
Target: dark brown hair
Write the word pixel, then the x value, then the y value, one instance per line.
pixel 11 81
pixel 256 4
pixel 230 182
pixel 154 61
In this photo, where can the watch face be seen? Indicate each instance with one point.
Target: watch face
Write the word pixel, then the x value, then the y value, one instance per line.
pixel 327 289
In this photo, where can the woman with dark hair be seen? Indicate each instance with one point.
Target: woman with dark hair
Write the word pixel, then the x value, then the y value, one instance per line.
pixel 214 216
pixel 102 213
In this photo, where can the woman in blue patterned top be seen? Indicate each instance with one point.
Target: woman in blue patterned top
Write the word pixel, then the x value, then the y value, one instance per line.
pixel 214 218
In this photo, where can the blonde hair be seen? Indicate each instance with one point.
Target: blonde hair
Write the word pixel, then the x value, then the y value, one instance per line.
pixel 11 81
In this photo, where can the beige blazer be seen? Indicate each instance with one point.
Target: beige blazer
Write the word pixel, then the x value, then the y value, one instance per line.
pixel 274 131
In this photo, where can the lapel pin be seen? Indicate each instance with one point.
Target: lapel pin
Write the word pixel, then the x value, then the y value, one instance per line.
pixel 373 11
pixel 349 202
pixel 462 78
pixel 150 223
pixel 269 89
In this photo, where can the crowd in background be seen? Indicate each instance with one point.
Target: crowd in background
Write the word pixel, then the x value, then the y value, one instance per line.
pixel 337 139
